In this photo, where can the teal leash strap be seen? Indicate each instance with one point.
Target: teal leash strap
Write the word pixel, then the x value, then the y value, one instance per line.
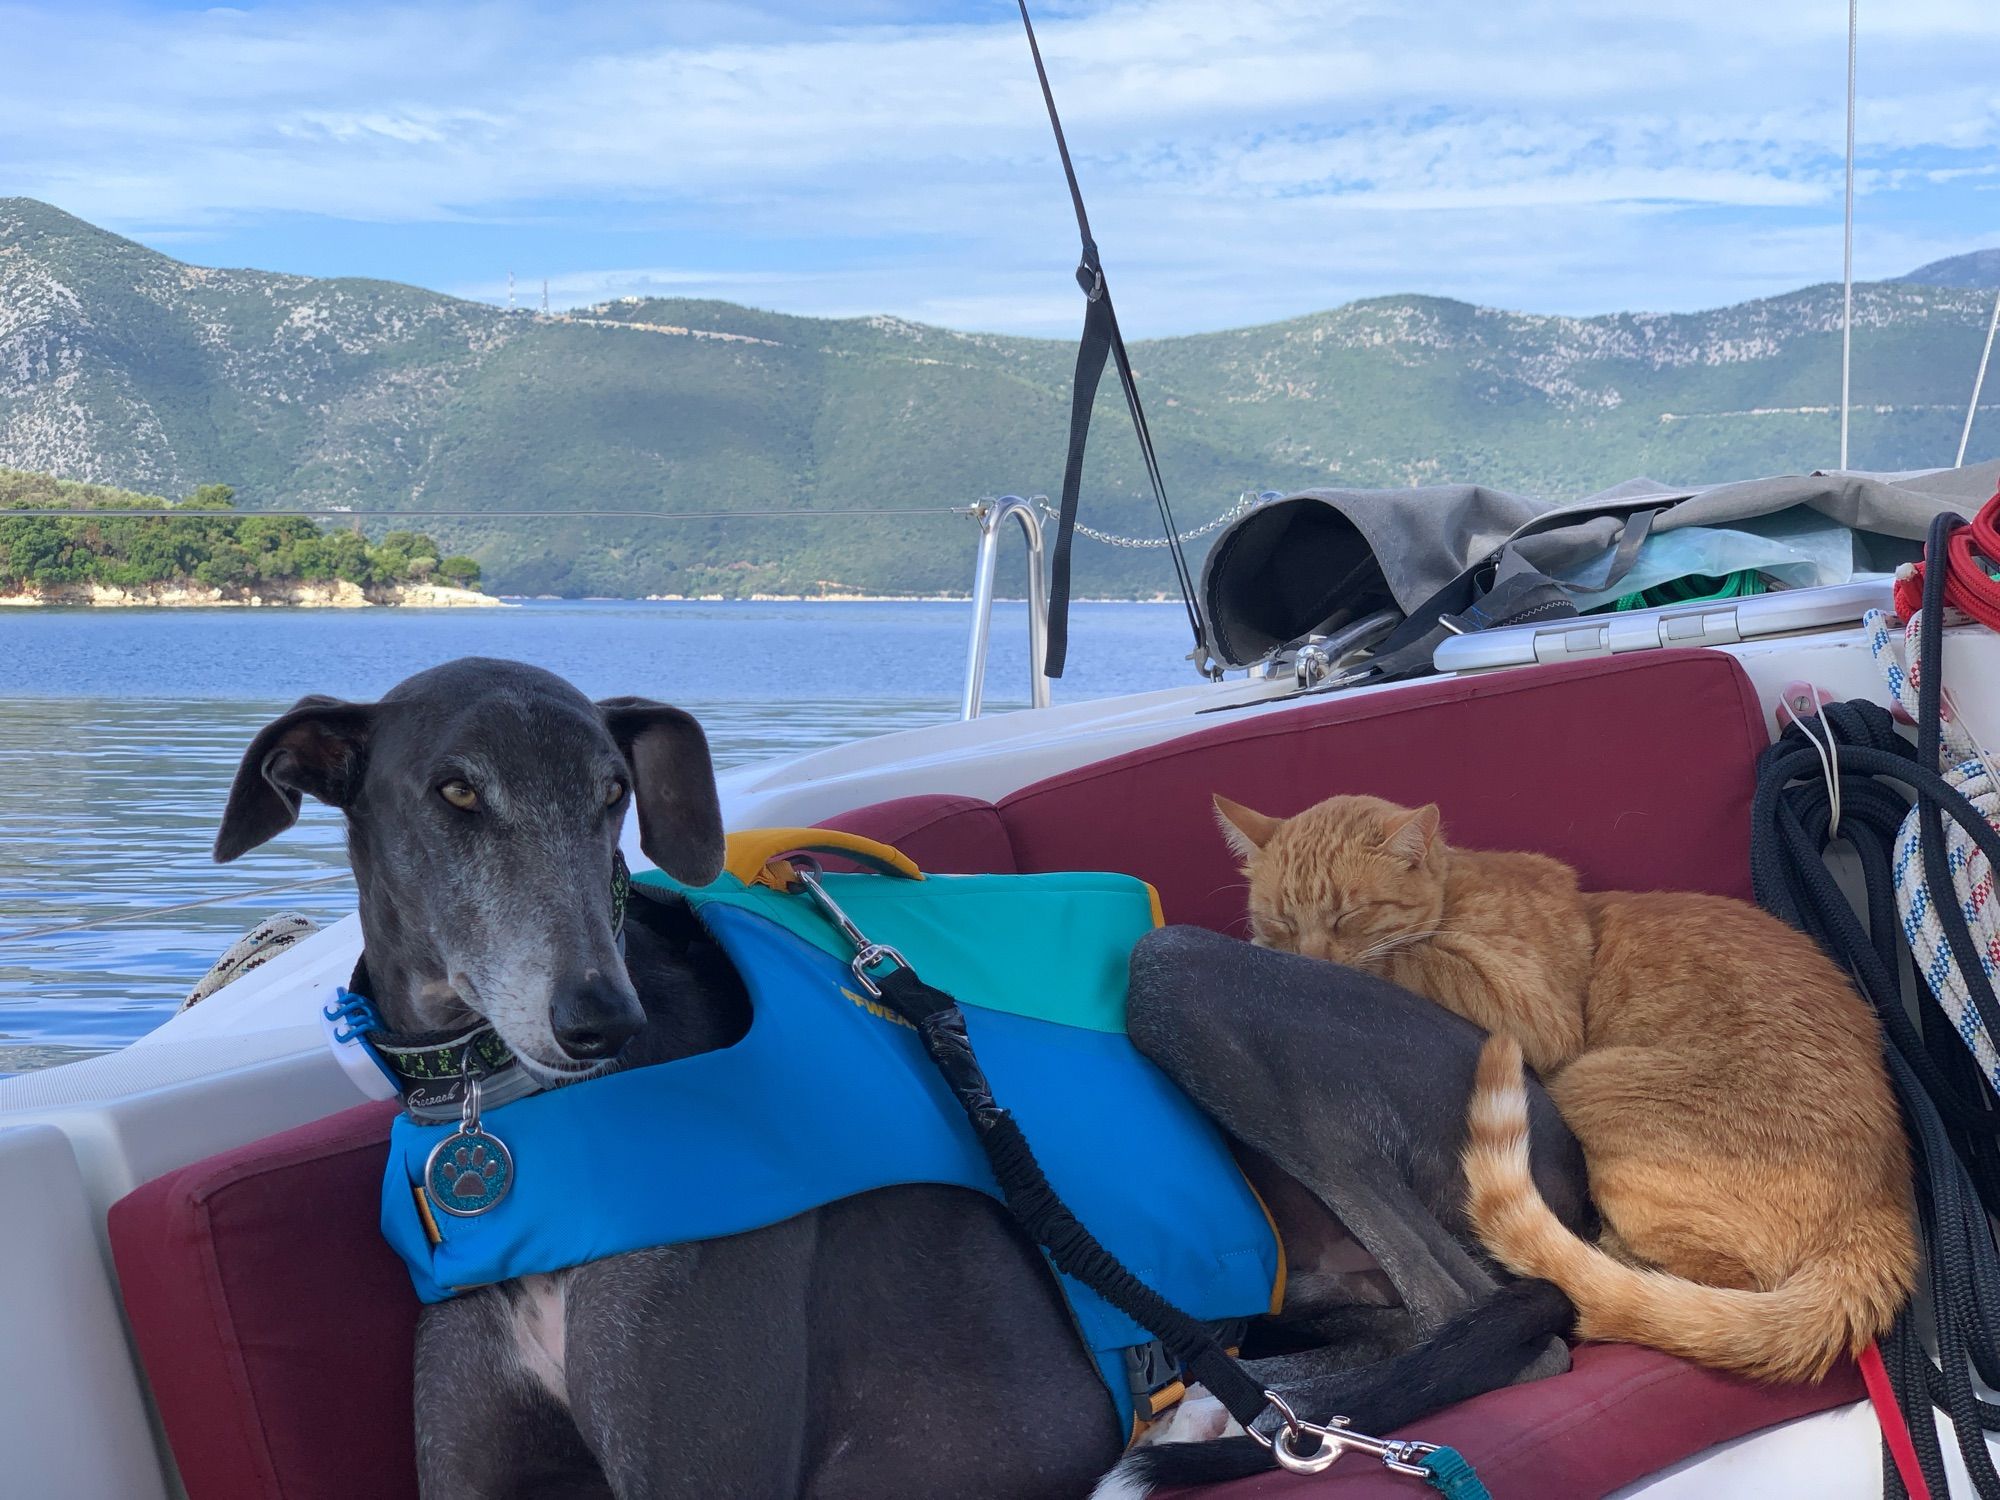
pixel 1451 1476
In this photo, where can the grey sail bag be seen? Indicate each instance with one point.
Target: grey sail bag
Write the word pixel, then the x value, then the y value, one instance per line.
pixel 1457 558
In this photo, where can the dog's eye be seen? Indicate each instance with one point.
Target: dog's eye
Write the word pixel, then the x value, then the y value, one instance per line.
pixel 614 794
pixel 460 795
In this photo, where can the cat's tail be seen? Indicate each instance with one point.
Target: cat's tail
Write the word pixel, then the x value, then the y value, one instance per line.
pixel 1795 1331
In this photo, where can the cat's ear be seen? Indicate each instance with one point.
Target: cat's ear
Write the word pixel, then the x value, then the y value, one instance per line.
pixel 1408 836
pixel 1246 831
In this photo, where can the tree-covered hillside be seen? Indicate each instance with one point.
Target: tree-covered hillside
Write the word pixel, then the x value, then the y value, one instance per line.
pixel 203 539
pixel 121 365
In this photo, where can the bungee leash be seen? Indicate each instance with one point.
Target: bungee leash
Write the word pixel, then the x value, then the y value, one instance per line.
pixel 1298 1445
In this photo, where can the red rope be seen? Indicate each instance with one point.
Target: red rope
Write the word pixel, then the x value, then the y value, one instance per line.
pixel 1972 556
pixel 1875 1375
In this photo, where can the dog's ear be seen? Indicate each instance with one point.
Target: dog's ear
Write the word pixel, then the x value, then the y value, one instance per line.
pixel 1246 830
pixel 673 782
pixel 319 748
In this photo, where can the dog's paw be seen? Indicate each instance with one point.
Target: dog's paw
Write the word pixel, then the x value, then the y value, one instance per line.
pixel 1553 1360
pixel 1199 1418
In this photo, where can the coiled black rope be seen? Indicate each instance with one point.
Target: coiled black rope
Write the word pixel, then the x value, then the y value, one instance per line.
pixel 1948 1105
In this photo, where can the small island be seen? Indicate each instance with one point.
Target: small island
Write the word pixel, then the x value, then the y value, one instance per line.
pixel 203 552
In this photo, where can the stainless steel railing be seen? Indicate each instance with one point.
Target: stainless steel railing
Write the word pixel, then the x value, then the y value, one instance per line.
pixel 992 515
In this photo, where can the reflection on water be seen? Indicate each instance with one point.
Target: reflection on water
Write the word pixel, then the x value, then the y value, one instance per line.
pixel 119 732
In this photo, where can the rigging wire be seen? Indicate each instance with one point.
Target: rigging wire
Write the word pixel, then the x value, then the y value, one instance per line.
pixel 1847 274
pixel 53 929
pixel 1978 381
pixel 1245 503
pixel 481 515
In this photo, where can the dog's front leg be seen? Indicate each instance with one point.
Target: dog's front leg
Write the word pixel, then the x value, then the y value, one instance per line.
pixel 488 1425
pixel 1431 1271
pixel 686 1368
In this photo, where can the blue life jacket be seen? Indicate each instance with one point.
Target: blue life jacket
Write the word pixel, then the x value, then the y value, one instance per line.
pixel 829 1095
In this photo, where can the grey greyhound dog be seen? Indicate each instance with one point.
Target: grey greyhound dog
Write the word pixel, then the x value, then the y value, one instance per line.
pixel 908 1339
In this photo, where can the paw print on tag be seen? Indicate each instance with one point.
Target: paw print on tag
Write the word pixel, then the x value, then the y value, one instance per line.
pixel 476 1170
pixel 468 1172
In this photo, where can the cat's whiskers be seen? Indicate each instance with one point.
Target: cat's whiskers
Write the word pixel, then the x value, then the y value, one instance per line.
pixel 1399 941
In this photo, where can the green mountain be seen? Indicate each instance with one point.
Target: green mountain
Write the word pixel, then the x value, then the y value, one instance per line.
pixel 120 365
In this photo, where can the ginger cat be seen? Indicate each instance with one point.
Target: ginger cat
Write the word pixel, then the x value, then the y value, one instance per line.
pixel 1725 1081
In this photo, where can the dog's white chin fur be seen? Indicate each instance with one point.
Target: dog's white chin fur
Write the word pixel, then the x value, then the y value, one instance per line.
pixel 521 1019
pixel 555 1073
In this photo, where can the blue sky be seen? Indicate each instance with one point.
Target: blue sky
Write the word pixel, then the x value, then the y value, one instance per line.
pixel 1244 159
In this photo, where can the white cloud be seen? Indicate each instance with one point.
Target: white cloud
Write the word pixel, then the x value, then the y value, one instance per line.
pixel 1513 154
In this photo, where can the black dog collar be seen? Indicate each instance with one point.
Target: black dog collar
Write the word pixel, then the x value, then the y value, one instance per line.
pixel 430 1068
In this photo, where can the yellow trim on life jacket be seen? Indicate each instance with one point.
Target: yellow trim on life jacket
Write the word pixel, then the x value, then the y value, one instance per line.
pixel 754 848
pixel 424 1215
pixel 1284 1268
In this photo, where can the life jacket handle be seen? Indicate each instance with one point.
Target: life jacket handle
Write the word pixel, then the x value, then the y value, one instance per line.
pixel 751 851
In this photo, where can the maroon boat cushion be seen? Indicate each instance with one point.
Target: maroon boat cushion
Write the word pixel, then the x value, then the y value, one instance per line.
pixel 1620 1414
pixel 276 1326
pixel 274 1321
pixel 945 835
pixel 1639 773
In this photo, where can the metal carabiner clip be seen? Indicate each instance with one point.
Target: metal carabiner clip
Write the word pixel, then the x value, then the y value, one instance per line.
pixel 868 954
pixel 1402 1456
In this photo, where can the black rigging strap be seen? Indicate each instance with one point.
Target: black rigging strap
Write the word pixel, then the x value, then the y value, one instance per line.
pixel 1100 337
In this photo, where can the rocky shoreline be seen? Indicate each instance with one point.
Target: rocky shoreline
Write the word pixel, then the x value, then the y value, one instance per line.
pixel 271 595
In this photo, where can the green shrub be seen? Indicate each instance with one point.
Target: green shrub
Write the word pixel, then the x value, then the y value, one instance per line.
pixel 206 540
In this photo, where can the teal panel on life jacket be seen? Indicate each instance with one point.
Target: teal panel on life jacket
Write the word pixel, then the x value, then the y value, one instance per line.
pixel 1053 946
pixel 825 1098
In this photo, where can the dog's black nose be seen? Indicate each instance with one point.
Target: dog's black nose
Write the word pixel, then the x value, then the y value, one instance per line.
pixel 595 1016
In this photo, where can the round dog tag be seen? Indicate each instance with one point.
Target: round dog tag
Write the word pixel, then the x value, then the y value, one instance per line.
pixel 468 1172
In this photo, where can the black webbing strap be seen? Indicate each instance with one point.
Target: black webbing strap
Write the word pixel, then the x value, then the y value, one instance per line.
pixel 1101 337
pixel 1043 1216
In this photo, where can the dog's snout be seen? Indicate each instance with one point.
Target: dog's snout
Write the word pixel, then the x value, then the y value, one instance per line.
pixel 595 1016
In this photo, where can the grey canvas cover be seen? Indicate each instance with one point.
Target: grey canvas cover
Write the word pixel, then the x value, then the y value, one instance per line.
pixel 1315 560
pixel 1310 562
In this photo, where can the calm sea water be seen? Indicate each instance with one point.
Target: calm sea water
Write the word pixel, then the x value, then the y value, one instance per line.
pixel 120 729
